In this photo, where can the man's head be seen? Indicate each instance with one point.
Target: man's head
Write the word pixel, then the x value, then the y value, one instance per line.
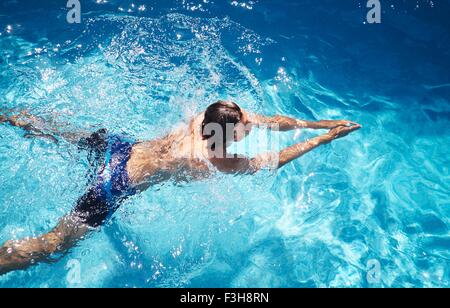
pixel 228 118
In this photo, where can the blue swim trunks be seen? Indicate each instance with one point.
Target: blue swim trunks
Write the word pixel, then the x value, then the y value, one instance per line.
pixel 110 185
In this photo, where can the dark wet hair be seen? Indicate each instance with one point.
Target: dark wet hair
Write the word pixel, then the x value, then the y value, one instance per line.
pixel 221 112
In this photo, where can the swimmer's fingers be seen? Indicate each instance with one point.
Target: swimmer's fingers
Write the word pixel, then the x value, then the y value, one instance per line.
pixel 351 123
pixel 342 131
pixel 348 123
pixel 5 115
pixel 330 124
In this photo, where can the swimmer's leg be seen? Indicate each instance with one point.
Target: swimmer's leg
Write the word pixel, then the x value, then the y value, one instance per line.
pixel 39 127
pixel 92 211
pixel 21 254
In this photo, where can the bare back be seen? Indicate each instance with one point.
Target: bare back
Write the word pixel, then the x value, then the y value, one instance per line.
pixel 179 156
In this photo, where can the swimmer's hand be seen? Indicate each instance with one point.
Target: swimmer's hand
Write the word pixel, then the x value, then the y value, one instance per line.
pixel 341 131
pixel 330 124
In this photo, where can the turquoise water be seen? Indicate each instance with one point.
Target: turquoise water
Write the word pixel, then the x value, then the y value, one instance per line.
pixel 381 195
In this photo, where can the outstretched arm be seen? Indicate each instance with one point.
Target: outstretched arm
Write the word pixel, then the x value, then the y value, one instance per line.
pixel 19 255
pixel 276 161
pixel 283 123
pixel 289 154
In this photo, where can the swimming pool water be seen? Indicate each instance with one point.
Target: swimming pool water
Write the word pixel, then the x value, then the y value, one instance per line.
pixel 380 195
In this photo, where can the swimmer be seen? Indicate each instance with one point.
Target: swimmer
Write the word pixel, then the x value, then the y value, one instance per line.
pixel 123 167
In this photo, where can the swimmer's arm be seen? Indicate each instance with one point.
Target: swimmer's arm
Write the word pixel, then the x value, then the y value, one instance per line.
pixel 283 123
pixel 285 156
pixel 271 161
pixel 21 254
pixel 293 152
